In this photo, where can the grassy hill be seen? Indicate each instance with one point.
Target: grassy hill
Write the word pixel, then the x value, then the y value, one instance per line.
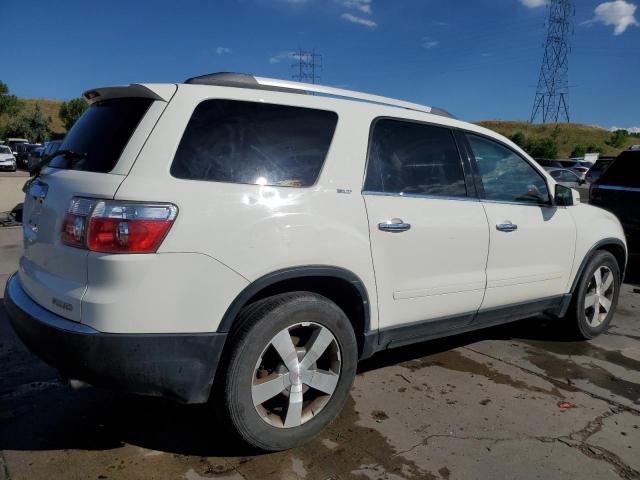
pixel 567 137
pixel 49 108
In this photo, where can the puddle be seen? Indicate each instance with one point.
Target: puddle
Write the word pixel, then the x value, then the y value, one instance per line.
pixel 454 360
pixel 568 371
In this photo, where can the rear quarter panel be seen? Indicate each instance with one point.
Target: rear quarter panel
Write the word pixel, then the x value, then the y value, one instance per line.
pixel 254 230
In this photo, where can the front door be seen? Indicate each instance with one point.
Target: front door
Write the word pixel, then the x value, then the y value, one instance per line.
pixel 532 241
pixel 429 234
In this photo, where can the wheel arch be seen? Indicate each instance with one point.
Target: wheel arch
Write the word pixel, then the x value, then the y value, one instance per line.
pixel 339 285
pixel 615 246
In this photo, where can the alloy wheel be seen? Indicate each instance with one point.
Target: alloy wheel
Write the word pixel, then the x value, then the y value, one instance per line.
pixel 296 375
pixel 599 296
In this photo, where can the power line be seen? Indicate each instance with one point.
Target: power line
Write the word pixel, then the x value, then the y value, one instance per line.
pixel 551 103
pixel 307 67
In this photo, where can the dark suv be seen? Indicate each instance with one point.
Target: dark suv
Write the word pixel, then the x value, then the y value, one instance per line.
pixel 618 190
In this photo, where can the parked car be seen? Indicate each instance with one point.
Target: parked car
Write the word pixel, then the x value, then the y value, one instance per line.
pixel 598 169
pixel 23 152
pixel 43 153
pixel 566 177
pixel 579 166
pixel 7 160
pixel 549 163
pixel 12 143
pixel 618 190
pixel 229 240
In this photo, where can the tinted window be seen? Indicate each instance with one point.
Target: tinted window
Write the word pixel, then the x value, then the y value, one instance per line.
pixel 624 171
pixel 100 134
pixel 408 157
pixel 254 143
pixel 505 175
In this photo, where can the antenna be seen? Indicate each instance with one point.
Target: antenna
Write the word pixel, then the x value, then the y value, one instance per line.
pixel 551 103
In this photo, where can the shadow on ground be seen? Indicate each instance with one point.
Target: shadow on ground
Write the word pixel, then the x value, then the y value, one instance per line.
pixel 39 413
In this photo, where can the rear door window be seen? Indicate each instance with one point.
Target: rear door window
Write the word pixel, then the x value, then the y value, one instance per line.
pixel 254 143
pixel 414 158
pixel 97 139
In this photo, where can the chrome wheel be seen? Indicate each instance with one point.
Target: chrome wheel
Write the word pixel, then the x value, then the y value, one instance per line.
pixel 599 296
pixel 296 375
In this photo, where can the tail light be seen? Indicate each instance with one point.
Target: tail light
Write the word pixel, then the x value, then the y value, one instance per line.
pixel 112 226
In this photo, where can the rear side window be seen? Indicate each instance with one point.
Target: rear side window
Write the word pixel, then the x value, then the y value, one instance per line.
pixel 624 171
pixel 254 143
pixel 97 139
pixel 413 158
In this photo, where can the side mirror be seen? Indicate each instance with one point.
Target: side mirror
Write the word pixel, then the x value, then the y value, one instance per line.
pixel 566 197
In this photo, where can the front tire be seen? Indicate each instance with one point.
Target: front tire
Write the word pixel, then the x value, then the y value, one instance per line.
pixel 292 362
pixel 596 297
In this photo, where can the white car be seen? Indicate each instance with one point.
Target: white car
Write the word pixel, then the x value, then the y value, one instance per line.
pixel 232 239
pixel 7 160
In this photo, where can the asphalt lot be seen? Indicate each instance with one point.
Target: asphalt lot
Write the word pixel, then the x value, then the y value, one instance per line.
pixel 485 405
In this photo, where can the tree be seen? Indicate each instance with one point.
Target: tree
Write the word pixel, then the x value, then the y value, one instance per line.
pixel 9 104
pixel 70 112
pixel 32 125
pixel 618 139
pixel 519 139
pixel 543 148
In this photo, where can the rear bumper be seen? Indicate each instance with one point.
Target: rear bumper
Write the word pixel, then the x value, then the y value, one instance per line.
pixel 177 366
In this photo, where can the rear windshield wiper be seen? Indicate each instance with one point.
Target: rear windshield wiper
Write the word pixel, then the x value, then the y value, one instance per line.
pixel 68 154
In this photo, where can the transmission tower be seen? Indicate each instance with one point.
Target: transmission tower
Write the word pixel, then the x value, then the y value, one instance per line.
pixel 551 103
pixel 307 67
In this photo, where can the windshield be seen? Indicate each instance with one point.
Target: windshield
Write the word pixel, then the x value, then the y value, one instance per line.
pixel 4 149
pixel 100 135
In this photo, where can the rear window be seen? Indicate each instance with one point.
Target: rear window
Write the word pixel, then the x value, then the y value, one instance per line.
pixel 624 171
pixel 98 138
pixel 254 143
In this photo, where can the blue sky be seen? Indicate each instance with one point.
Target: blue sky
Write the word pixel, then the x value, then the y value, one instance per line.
pixel 478 59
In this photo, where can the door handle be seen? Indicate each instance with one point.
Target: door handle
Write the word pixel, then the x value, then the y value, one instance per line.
pixel 507 227
pixel 395 225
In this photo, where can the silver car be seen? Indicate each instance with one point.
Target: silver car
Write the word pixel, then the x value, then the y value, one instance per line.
pixel 7 160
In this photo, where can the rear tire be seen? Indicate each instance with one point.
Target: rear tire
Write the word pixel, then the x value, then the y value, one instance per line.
pixel 290 368
pixel 595 298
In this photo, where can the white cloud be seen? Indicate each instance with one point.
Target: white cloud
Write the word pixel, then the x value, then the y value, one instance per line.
pixel 363 6
pixel 358 20
pixel 619 14
pixel 429 43
pixel 222 50
pixel 278 57
pixel 533 3
pixel 628 129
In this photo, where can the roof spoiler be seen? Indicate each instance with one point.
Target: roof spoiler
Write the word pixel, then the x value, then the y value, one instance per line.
pixel 162 92
pixel 243 80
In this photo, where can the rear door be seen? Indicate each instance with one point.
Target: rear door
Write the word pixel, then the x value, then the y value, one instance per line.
pixel 89 164
pixel 429 235
pixel 532 241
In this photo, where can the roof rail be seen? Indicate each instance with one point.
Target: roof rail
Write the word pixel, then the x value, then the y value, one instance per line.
pixel 242 80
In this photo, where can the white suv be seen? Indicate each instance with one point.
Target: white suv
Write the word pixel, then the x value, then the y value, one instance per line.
pixel 235 240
